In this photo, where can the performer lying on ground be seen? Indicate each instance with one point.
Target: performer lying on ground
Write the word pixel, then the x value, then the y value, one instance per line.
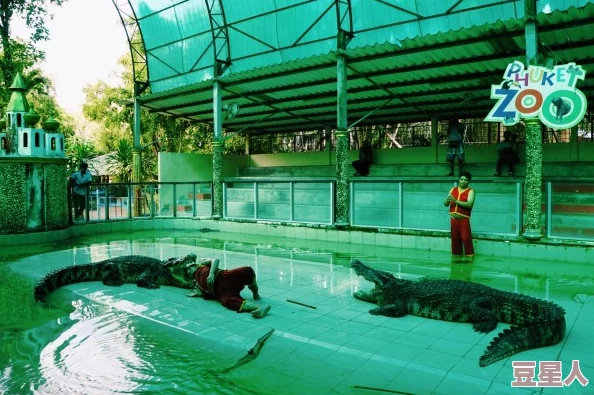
pixel 225 286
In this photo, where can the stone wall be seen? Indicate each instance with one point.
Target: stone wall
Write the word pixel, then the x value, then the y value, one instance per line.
pixel 33 195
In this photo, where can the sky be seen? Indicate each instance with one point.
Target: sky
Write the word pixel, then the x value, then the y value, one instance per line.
pixel 86 40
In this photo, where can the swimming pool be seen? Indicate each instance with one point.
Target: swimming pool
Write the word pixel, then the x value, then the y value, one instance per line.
pixel 98 339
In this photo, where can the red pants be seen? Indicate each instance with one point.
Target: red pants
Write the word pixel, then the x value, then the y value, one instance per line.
pixel 461 236
pixel 229 283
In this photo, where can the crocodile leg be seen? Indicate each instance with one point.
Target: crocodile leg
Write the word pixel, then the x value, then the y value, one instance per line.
pixel 398 309
pixel 111 274
pixel 149 279
pixel 482 315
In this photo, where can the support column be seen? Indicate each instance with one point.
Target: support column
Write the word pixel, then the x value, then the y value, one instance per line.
pixel 328 146
pixel 248 141
pixel 217 153
pixel 434 142
pixel 136 175
pixel 533 193
pixel 342 145
pixel 573 145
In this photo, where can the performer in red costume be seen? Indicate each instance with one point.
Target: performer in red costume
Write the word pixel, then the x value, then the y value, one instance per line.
pixel 460 200
pixel 225 286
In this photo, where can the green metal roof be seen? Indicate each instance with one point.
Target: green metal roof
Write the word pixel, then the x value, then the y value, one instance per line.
pixel 407 60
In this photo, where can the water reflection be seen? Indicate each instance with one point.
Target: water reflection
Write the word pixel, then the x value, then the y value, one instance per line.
pixel 99 350
pixel 461 271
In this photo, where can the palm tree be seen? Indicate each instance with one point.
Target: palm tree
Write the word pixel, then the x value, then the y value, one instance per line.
pixel 119 162
pixel 78 150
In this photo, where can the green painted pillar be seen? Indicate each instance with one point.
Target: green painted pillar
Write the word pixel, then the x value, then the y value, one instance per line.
pixel 217 153
pixel 434 142
pixel 533 183
pixel 136 175
pixel 533 192
pixel 342 178
pixel 342 145
pixel 573 145
pixel 217 179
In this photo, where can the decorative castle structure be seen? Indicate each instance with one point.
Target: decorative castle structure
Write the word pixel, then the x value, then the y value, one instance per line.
pixel 18 134
pixel 33 192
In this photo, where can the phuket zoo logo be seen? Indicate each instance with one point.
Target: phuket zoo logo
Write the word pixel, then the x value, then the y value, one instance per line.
pixel 549 94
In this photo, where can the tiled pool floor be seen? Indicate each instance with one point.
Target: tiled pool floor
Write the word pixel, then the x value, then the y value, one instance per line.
pixel 337 347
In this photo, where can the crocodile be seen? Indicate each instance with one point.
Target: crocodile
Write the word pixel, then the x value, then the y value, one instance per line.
pixel 144 271
pixel 534 322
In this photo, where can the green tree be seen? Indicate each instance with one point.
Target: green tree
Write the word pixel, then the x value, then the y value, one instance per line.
pixel 34 13
pixel 40 87
pixel 119 163
pixel 111 107
pixel 78 150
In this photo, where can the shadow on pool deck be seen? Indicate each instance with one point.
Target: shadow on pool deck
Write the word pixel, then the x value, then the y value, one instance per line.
pixel 338 347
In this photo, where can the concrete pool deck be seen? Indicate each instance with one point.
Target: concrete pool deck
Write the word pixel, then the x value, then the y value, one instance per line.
pixel 338 347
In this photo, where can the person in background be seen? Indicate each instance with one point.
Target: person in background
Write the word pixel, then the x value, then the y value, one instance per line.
pixel 365 160
pixel 460 200
pixel 508 153
pixel 79 181
pixel 225 286
pixel 455 145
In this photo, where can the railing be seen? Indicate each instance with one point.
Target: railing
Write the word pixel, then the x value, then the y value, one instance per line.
pixel 390 204
pixel 141 200
pixel 419 205
pixel 415 134
pixel 288 201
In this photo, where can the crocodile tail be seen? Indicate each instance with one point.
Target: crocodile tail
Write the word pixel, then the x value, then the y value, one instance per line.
pixel 65 276
pixel 524 337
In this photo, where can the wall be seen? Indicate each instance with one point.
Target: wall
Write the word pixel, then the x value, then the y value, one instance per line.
pixel 33 195
pixel 198 167
pixel 175 167
pixel 347 240
pixel 476 153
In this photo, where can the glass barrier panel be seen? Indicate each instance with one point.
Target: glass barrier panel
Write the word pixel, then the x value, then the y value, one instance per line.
pixel 274 201
pixel 141 200
pixel 312 202
pixel 422 205
pixel 203 199
pixel 184 200
pixel 572 207
pixel 376 204
pixel 496 208
pixel 96 203
pixel 239 200
pixel 163 198
pixel 118 200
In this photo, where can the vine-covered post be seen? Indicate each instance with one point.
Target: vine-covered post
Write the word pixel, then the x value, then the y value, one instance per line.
pixel 342 137
pixel 217 153
pixel 533 193
pixel 533 184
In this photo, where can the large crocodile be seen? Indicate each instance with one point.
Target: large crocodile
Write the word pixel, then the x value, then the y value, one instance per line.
pixel 535 322
pixel 143 271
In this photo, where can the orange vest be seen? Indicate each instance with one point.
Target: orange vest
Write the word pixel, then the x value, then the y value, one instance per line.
pixel 463 197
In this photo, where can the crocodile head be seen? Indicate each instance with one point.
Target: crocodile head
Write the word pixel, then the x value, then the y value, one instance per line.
pixel 182 269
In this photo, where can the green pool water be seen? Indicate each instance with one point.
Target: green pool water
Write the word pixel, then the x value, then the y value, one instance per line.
pixel 77 346
pixel 80 346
